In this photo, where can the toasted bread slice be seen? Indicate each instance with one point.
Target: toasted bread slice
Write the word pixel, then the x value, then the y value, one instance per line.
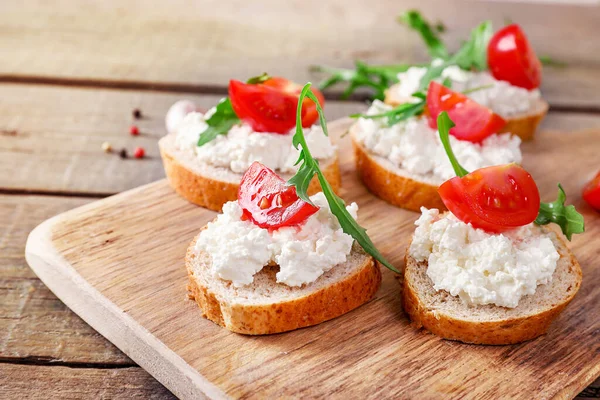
pixel 393 184
pixel 210 186
pixel 447 316
pixel 266 307
pixel 523 125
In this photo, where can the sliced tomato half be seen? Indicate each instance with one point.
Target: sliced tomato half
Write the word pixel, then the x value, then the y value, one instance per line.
pixel 494 199
pixel 271 106
pixel 268 202
pixel 591 192
pixel 511 58
pixel 473 121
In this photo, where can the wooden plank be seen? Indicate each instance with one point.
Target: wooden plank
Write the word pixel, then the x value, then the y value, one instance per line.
pixel 212 41
pixel 43 382
pixel 65 136
pixel 52 145
pixel 129 249
pixel 34 324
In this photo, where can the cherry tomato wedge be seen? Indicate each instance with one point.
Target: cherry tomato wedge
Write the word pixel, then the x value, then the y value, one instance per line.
pixel 494 199
pixel 474 122
pixel 270 106
pixel 511 58
pixel 268 202
pixel 591 192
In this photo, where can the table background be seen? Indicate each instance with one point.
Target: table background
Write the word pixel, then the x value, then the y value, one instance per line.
pixel 71 72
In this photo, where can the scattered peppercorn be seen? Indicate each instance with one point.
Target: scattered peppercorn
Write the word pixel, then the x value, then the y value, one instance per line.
pixel 134 130
pixel 123 153
pixel 106 147
pixel 139 152
pixel 137 113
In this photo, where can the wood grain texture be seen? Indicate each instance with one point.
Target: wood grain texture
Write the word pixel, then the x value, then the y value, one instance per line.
pixel 169 42
pixel 55 146
pixel 34 325
pixel 55 382
pixel 119 264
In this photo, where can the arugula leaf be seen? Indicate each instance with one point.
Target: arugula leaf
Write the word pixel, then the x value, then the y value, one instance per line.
pixel 222 120
pixel 375 77
pixel 309 167
pixel 444 125
pixel 259 79
pixel 414 20
pixel 569 220
pixel 471 55
pixel 399 113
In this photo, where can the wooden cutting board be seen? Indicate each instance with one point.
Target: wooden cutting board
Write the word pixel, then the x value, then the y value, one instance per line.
pixel 118 263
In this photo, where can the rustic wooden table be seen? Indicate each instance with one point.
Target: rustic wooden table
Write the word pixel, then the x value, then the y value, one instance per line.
pixel 72 72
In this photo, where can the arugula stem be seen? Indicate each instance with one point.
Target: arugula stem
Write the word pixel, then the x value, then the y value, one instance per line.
pixel 444 125
pixel 475 89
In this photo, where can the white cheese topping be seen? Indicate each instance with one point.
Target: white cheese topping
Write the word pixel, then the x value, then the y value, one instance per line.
pixel 416 148
pixel 242 146
pixel 479 267
pixel 239 249
pixel 501 97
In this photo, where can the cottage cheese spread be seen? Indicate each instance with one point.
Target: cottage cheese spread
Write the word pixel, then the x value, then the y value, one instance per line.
pixel 479 267
pixel 502 97
pixel 416 148
pixel 242 146
pixel 239 249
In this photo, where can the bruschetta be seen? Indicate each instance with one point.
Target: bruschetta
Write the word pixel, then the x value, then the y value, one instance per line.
pixel 205 154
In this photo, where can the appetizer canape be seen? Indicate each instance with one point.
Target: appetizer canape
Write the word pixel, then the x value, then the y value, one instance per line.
pixel 488 271
pixel 276 259
pixel 205 154
pixel 503 66
pixel 399 155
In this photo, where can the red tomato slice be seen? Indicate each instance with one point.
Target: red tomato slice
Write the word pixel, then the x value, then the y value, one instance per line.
pixel 494 199
pixel 271 106
pixel 474 122
pixel 511 58
pixel 268 202
pixel 591 192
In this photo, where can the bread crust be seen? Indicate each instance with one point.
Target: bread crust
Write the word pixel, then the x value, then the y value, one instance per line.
pixel 499 332
pixel 523 125
pixel 397 190
pixel 212 193
pixel 319 306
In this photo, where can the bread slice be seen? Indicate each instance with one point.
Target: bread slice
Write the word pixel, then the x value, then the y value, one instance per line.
pixel 523 125
pixel 266 307
pixel 447 316
pixel 392 184
pixel 211 187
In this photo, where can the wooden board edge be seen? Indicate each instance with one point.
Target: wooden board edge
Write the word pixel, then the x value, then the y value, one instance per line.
pixel 105 317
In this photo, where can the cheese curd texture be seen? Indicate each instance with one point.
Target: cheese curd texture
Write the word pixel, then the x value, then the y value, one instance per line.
pixel 239 249
pixel 503 98
pixel 413 146
pixel 242 146
pixel 479 267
